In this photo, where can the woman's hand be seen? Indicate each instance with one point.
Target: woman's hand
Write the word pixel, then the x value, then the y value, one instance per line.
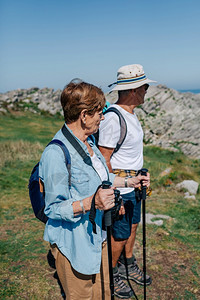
pixel 105 198
pixel 136 181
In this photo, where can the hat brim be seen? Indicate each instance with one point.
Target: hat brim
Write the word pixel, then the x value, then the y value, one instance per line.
pixel 132 86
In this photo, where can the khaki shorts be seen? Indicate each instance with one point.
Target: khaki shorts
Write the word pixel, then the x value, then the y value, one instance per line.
pixel 78 286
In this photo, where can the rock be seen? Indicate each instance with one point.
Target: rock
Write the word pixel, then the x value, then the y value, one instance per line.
pixel 43 106
pixel 3 110
pixel 188 196
pixel 158 222
pixel 32 90
pixel 190 185
pixel 16 99
pixel 26 101
pixel 10 106
pixel 149 218
pixel 165 172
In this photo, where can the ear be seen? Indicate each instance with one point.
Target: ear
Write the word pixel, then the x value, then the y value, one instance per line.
pixel 83 115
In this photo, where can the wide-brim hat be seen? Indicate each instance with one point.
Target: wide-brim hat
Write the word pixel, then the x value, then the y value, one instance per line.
pixel 130 77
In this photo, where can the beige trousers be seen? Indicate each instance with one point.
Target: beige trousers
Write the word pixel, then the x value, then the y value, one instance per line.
pixel 78 286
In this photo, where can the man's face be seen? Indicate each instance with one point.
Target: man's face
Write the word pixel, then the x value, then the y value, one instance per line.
pixel 140 94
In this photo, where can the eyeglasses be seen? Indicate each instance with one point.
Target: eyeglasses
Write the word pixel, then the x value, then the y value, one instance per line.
pixel 146 86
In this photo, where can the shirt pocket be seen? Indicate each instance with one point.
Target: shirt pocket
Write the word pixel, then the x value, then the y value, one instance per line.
pixel 79 183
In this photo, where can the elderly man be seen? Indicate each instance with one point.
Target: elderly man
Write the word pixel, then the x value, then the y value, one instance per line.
pixel 132 85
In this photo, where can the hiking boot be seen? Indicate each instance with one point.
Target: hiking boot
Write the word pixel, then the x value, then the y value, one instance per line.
pixel 121 290
pixel 134 273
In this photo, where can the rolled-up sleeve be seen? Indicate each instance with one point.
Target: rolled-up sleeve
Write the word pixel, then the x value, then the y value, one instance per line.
pixel 112 177
pixel 58 200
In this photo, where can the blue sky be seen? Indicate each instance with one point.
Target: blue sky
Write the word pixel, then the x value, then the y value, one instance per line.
pixel 48 43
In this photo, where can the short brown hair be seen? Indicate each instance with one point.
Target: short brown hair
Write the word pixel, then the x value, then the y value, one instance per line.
pixel 79 95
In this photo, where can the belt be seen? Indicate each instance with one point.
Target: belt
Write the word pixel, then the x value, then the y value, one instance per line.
pixel 124 173
pixel 127 173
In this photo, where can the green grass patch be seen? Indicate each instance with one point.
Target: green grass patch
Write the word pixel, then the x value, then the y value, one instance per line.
pixel 157 160
pixel 29 127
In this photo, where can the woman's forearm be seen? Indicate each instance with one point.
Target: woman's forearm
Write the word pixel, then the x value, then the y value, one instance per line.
pixel 82 206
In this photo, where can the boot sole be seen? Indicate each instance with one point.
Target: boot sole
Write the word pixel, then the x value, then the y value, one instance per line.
pixel 123 297
pixel 135 280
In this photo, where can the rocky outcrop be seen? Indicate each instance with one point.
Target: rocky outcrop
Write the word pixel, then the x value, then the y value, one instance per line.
pixel 33 99
pixel 170 119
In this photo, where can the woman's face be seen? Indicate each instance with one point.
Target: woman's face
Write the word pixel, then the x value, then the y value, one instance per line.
pixel 92 122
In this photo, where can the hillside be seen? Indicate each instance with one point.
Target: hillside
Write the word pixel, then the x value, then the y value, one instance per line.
pixel 172 248
pixel 170 119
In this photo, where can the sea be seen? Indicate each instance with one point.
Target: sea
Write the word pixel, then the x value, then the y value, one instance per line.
pixel 191 91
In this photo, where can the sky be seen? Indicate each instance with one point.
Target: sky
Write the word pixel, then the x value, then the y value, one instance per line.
pixel 47 43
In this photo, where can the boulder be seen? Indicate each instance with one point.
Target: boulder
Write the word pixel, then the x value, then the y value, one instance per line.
pixel 150 216
pixel 190 185
pixel 188 196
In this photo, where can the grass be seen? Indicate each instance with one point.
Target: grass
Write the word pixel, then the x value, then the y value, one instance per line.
pixel 173 252
pixel 29 127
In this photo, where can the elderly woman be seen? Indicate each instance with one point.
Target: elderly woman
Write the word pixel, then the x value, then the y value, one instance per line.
pixel 80 254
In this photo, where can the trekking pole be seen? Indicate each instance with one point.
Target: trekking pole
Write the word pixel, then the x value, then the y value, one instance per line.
pixel 108 225
pixel 144 173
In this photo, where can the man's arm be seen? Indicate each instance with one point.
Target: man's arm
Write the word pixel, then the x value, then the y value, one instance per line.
pixel 107 152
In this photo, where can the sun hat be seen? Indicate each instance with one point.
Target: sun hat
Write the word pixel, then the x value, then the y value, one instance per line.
pixel 130 77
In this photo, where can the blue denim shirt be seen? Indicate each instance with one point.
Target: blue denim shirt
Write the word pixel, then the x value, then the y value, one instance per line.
pixel 72 234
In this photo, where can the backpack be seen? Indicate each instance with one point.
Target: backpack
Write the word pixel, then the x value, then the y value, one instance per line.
pixel 36 186
pixel 123 128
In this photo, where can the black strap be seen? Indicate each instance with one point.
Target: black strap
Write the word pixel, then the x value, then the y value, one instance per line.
pixel 88 161
pixel 76 145
pixel 92 214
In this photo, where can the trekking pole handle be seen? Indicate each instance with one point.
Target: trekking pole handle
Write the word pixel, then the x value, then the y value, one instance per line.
pixel 106 184
pixel 143 172
pixel 107 213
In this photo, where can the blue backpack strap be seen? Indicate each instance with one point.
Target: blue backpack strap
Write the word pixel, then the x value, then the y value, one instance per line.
pixel 123 127
pixel 66 154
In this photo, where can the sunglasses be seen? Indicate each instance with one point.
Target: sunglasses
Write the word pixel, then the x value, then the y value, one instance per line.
pixel 146 86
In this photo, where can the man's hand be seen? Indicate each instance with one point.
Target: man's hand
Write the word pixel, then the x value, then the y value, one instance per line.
pixel 136 181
